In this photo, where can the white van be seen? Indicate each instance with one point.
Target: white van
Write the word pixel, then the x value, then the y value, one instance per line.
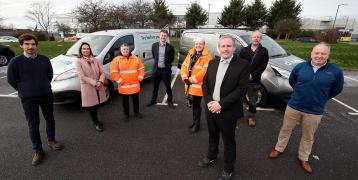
pixel 105 46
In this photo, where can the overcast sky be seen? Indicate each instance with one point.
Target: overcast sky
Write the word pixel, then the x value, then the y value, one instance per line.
pixel 14 10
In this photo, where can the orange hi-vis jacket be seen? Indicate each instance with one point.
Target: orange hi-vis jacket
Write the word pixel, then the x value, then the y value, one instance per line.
pixel 198 71
pixel 128 73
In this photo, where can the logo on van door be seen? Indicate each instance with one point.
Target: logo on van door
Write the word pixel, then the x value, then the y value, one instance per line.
pixel 149 37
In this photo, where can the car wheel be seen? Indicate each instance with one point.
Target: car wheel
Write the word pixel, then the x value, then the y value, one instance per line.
pixel 3 60
pixel 261 98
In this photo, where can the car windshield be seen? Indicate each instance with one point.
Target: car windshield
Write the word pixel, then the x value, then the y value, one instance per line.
pixel 97 43
pixel 274 49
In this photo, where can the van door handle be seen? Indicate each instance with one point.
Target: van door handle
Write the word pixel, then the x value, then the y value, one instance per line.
pixel 143 55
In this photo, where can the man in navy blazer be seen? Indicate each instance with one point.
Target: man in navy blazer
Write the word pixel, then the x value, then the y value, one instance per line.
pixel 224 87
pixel 163 54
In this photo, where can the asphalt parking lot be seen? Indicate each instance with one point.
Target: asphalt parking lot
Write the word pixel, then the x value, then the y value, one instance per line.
pixel 159 146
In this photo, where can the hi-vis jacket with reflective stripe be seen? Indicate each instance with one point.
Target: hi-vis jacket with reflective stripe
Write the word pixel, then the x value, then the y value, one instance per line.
pixel 128 73
pixel 198 71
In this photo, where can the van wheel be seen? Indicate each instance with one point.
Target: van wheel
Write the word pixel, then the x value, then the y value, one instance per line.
pixel 261 98
pixel 109 90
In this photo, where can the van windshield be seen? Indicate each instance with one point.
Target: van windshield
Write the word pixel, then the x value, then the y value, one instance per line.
pixel 97 43
pixel 274 49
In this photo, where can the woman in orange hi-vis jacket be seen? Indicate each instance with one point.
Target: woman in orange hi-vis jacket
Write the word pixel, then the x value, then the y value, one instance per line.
pixel 192 73
pixel 128 71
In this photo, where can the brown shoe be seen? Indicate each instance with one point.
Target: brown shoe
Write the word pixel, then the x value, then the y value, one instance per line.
pixel 54 145
pixel 251 122
pixel 274 154
pixel 37 158
pixel 305 166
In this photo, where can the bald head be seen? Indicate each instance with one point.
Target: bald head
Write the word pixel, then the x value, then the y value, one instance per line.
pixel 320 54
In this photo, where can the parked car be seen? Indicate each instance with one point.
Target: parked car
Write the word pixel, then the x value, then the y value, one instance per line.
pixel 6 54
pixel 274 79
pixel 105 46
pixel 8 39
pixel 306 39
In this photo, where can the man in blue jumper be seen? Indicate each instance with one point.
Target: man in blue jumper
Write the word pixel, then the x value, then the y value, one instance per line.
pixel 314 83
pixel 31 74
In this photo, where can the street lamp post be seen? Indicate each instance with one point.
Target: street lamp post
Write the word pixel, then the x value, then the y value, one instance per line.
pixel 209 14
pixel 334 22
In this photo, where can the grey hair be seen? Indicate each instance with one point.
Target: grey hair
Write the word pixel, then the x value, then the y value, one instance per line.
pixel 199 40
pixel 327 46
pixel 256 32
pixel 226 36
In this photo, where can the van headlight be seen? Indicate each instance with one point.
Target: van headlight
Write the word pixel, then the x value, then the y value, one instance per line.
pixel 281 72
pixel 67 75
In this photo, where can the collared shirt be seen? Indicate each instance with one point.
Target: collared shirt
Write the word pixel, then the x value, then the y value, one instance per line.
pixel 161 57
pixel 315 68
pixel 30 56
pixel 223 65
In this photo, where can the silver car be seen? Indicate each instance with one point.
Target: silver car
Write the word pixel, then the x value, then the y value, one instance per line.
pixel 274 80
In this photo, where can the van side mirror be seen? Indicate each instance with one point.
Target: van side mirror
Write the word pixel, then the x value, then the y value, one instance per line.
pixel 107 59
pixel 143 55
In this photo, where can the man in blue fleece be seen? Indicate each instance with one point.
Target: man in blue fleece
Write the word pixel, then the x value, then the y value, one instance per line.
pixel 314 82
pixel 31 74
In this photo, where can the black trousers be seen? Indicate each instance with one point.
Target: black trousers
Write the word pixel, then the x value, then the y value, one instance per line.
pixel 216 125
pixel 135 100
pixel 159 75
pixel 31 108
pixel 93 110
pixel 252 92
pixel 196 110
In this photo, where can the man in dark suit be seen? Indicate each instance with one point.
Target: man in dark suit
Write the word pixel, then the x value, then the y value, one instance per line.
pixel 163 54
pixel 258 57
pixel 224 87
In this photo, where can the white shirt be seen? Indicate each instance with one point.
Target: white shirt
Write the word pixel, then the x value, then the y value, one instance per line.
pixel 223 65
pixel 315 68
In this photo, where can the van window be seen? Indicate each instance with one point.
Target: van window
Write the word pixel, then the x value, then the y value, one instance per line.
pixel 97 43
pixel 274 49
pixel 115 49
pixel 210 41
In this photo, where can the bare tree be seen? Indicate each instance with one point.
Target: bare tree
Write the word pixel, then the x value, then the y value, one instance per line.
pixel 93 14
pixel 41 13
pixel 141 11
pixel 1 19
pixel 119 17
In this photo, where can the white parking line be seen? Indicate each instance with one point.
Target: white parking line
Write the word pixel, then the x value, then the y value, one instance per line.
pixel 349 107
pixel 8 96
pixel 3 77
pixel 351 78
pixel 164 102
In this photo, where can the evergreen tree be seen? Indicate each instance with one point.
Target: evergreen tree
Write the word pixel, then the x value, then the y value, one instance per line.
pixel 283 9
pixel 195 16
pixel 161 15
pixel 232 15
pixel 255 15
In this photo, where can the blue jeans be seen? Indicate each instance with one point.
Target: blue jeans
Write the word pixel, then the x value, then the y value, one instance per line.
pixel 31 109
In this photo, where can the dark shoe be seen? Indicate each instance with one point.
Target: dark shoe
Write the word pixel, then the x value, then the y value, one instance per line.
pixel 191 126
pixel 274 154
pixel 195 129
pixel 305 166
pixel 54 145
pixel 171 105
pixel 37 158
pixel 151 104
pixel 206 162
pixel 99 127
pixel 225 176
pixel 138 115
pixel 251 122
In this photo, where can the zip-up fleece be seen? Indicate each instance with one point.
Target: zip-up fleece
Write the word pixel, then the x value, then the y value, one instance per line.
pixel 312 90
